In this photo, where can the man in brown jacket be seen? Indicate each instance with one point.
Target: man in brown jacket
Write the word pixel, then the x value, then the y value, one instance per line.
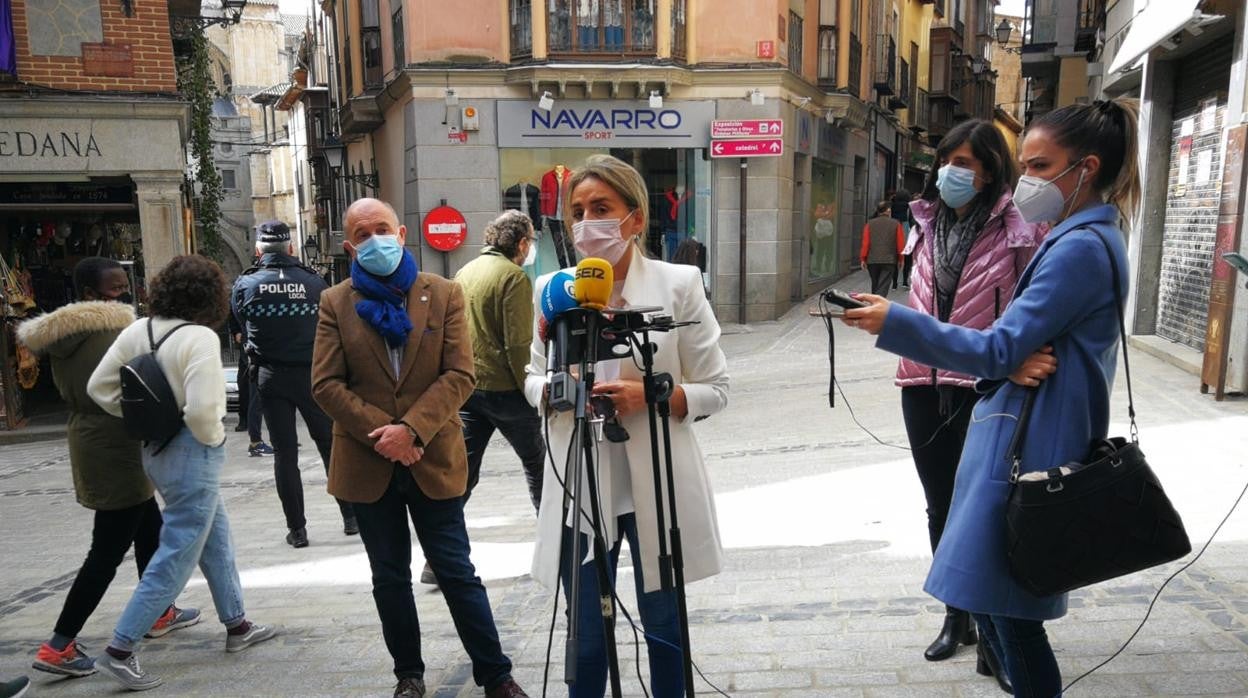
pixel 392 365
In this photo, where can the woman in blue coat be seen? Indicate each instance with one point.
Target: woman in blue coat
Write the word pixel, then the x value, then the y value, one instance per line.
pixel 1074 160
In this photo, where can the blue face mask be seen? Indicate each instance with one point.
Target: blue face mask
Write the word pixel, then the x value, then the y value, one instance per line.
pixel 956 185
pixel 380 254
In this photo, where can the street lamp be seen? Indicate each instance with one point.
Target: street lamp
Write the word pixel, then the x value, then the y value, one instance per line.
pixel 335 155
pixel 231 13
pixel 1004 30
pixel 311 248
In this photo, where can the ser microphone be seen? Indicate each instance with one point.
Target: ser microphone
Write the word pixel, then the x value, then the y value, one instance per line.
pixel 594 279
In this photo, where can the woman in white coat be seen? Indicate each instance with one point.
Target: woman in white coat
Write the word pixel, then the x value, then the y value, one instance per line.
pixel 608 213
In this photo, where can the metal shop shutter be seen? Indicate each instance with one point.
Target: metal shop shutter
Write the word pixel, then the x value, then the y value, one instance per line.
pixel 1193 196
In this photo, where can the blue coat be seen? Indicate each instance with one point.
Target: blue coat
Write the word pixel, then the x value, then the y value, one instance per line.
pixel 1064 298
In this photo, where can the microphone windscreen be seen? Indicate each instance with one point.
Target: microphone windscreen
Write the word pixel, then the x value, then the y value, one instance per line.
pixel 594 278
pixel 557 296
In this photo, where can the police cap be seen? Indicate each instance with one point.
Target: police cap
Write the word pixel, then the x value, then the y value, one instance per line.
pixel 272 231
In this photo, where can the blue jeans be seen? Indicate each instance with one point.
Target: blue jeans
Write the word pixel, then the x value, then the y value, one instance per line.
pixel 509 412
pixel 439 525
pixel 658 617
pixel 187 475
pixel 1023 649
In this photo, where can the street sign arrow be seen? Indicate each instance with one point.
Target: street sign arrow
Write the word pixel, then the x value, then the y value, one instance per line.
pixel 746 128
pixel 747 148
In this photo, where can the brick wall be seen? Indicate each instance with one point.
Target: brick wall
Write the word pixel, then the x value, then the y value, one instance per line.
pixel 147 34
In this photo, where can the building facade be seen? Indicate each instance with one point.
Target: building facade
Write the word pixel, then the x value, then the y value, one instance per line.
pixel 478 108
pixel 1185 62
pixel 92 156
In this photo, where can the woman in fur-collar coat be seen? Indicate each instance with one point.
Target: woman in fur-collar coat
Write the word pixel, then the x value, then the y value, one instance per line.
pixel 106 463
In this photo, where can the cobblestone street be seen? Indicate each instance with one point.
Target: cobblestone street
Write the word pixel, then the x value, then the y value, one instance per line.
pixel 826 555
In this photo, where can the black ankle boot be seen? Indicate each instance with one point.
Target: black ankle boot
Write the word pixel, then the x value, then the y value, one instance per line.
pixel 957 630
pixel 987 665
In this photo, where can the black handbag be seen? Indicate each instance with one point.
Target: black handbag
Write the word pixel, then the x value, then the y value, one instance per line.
pixel 1089 521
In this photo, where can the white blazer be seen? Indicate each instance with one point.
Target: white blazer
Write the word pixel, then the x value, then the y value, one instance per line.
pixel 693 357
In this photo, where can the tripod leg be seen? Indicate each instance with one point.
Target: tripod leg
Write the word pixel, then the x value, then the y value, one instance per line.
pixel 602 562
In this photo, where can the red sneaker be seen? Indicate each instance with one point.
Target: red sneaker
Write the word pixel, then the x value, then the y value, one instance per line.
pixel 71 661
pixel 173 619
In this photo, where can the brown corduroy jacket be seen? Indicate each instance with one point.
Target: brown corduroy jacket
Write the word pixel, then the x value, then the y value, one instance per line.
pixel 353 381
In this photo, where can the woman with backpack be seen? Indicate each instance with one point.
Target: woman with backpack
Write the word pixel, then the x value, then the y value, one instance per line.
pixel 188 301
pixel 104 460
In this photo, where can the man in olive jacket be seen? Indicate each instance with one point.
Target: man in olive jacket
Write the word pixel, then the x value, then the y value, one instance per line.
pixel 106 463
pixel 498 299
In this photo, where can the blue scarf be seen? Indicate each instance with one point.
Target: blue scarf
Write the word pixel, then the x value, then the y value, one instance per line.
pixel 383 304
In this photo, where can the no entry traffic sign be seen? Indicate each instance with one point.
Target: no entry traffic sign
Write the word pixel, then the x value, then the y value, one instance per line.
pixel 444 228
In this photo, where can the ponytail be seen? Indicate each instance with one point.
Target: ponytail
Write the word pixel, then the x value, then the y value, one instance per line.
pixel 1108 129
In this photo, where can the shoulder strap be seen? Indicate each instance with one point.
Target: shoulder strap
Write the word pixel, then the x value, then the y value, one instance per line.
pixel 152 341
pixel 1015 450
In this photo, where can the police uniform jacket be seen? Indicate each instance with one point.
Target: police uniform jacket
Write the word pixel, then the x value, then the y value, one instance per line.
pixel 276 303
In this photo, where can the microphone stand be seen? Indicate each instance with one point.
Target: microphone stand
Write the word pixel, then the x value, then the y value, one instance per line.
pixel 658 391
pixel 582 466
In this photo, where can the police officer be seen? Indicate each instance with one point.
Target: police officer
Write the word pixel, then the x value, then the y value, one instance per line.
pixel 277 302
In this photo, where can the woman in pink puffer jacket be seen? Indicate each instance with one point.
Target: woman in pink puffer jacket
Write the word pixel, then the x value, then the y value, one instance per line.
pixel 970 246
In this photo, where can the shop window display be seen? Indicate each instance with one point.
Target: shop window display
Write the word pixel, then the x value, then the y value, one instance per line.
pixel 678 181
pixel 39 250
pixel 825 198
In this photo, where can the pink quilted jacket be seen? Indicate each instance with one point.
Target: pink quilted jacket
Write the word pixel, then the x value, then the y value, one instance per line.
pixel 992 268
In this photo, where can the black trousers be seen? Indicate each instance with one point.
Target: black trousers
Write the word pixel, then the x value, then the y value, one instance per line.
pixel 111 538
pixel 509 412
pixel 881 277
pixel 283 390
pixel 936 444
pixel 249 410
pixel 439 525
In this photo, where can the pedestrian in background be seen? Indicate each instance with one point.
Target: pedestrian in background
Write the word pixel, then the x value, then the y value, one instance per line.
pixel 189 300
pixel 900 212
pixel 106 463
pixel 970 246
pixel 882 242
pixel 250 413
pixel 608 215
pixel 392 366
pixel 1064 313
pixel 498 305
pixel 276 303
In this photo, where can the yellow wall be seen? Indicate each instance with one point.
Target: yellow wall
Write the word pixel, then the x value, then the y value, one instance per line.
pixel 1011 138
pixel 472 29
pixel 916 26
pixel 1073 82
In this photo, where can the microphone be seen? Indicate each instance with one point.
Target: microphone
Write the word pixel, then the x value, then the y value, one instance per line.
pixel 557 297
pixel 594 279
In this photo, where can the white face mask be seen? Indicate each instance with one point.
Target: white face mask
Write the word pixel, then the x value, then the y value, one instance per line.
pixel 1040 201
pixel 601 237
pixel 531 257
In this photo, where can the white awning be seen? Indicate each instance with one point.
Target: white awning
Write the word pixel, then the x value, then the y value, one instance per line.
pixel 1156 23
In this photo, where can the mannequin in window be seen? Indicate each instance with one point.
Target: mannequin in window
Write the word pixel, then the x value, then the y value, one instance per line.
pixel 554 196
pixel 673 218
pixel 526 198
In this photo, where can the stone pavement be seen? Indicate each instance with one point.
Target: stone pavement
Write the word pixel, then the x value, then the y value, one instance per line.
pixel 826 555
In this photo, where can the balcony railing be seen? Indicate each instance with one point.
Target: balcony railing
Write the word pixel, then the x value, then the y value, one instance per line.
pixel 903 98
pixel 855 66
pixel 521 13
pixel 602 27
pixel 885 81
pixel 920 111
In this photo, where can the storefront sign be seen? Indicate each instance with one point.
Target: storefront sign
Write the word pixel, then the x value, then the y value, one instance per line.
pixel 109 60
pixel 65 194
pixel 748 148
pixel 766 49
pixel 444 228
pixel 89 145
pixel 746 128
pixel 833 143
pixel 803 132
pixel 604 124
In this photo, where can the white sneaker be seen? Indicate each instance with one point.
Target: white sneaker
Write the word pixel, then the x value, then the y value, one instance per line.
pixel 255 634
pixel 128 672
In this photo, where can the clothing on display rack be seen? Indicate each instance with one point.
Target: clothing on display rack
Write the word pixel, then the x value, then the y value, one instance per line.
pixel 613 20
pixel 554 192
pixel 587 25
pixel 673 218
pixel 524 197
